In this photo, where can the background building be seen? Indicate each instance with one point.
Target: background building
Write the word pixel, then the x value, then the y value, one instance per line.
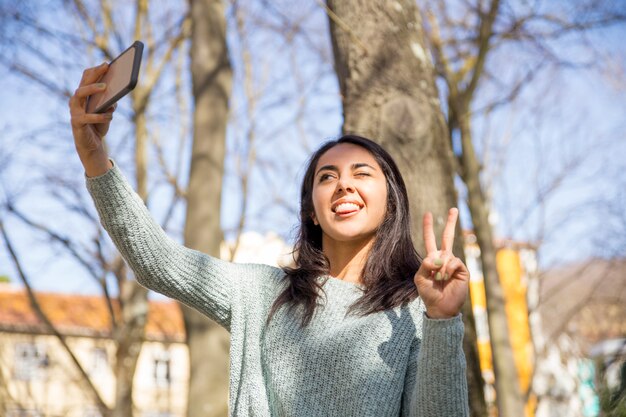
pixel 39 379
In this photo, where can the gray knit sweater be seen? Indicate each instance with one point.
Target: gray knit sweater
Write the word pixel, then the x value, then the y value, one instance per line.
pixel 393 363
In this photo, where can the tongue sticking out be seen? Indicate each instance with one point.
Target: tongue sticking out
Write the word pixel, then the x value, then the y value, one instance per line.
pixel 347 208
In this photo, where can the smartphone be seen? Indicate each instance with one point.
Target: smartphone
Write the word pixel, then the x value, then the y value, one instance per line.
pixel 120 78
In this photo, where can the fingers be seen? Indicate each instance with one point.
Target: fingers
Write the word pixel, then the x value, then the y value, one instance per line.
pixel 429 233
pixel 87 90
pixel 93 74
pixel 432 265
pixel 447 240
pixel 103 128
pixel 87 86
pixel 80 95
pixel 80 120
pixel 442 266
pixel 456 268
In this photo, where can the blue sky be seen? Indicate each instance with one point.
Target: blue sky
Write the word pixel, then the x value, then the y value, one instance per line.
pixel 562 115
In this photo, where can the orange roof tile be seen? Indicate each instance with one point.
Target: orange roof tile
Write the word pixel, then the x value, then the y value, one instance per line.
pixel 83 315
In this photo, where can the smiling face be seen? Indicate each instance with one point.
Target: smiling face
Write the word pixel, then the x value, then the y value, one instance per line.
pixel 349 194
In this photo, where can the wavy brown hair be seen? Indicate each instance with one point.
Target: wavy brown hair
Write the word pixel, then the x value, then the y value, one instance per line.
pixel 392 261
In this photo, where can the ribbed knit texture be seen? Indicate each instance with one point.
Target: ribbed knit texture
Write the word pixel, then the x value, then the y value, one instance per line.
pixel 393 363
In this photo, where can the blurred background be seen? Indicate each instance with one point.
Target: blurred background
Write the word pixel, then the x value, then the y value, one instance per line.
pixel 511 110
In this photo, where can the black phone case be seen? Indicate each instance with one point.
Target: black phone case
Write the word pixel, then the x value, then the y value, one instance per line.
pixel 133 78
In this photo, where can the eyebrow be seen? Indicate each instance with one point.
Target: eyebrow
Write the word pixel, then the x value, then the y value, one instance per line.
pixel 335 169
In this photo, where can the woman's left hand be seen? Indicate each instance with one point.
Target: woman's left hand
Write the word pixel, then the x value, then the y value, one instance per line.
pixel 442 280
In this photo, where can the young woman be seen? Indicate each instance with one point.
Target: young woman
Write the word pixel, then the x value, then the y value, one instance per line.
pixel 360 326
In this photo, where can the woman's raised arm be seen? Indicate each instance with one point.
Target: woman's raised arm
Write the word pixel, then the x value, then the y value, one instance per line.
pixel 159 263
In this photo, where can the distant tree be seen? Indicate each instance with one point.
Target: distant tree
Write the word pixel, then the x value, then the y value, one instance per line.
pixel 212 80
pixel 90 32
pixel 465 39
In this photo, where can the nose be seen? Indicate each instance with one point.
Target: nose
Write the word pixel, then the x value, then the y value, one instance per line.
pixel 344 184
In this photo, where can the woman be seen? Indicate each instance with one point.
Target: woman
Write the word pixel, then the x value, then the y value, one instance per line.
pixel 359 327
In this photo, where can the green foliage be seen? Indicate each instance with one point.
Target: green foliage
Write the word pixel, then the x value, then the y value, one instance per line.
pixel 5 279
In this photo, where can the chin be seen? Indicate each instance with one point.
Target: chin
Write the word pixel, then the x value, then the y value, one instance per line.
pixel 350 235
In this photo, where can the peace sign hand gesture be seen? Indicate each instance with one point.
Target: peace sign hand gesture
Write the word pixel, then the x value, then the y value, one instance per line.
pixel 442 280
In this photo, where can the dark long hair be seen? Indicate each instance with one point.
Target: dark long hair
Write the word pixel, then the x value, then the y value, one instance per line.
pixel 392 260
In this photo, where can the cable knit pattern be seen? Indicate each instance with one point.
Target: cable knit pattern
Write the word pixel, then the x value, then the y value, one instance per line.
pixel 393 363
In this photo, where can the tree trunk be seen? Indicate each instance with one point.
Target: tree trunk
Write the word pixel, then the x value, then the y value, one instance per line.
pixel 130 333
pixel 212 80
pixel 509 396
pixel 389 94
pixel 129 336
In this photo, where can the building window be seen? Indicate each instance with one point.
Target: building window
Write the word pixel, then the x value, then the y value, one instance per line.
pixel 162 377
pixel 31 361
pixel 99 361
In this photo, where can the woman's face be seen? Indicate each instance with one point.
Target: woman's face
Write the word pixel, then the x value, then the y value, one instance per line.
pixel 349 194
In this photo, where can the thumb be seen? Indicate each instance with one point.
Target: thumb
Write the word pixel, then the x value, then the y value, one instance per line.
pixel 429 266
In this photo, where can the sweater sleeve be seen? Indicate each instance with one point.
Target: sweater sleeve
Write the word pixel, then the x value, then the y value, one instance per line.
pixel 435 384
pixel 159 263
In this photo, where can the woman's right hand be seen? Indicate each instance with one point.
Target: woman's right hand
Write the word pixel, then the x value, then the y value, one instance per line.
pixel 443 279
pixel 88 129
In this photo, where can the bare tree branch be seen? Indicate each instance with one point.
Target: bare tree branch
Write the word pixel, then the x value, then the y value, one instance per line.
pixel 66 242
pixel 48 324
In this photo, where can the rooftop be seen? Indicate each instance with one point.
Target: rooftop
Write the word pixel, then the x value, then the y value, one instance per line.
pixel 82 315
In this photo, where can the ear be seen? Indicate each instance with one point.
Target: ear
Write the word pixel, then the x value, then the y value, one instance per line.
pixel 314 218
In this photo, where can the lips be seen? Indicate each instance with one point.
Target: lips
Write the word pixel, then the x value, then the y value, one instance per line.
pixel 346 207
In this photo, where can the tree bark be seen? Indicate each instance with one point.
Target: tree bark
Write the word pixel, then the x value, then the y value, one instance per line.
pixel 462 85
pixel 129 336
pixel 133 298
pixel 509 396
pixel 389 94
pixel 212 80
